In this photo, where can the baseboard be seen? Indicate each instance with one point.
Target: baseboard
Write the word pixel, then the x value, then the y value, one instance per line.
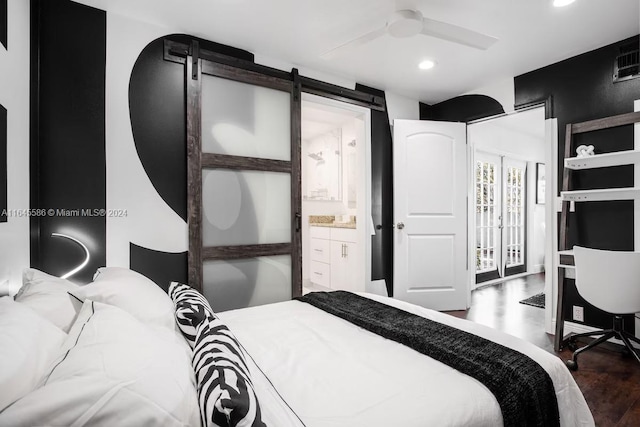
pixel 537 269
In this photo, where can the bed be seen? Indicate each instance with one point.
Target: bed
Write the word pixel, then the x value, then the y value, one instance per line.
pixel 119 351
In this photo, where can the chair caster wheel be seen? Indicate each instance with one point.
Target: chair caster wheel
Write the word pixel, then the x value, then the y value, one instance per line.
pixel 571 365
pixel 572 345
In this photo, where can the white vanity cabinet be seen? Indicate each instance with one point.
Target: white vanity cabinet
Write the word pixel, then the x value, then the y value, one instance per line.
pixel 320 246
pixel 333 258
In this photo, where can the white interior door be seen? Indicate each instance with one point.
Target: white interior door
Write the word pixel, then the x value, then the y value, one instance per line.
pixel 430 211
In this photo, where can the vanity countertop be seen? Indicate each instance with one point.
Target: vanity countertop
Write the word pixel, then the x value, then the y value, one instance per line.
pixel 330 221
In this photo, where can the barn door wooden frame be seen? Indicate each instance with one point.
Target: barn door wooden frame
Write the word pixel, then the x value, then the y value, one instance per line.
pixel 197 161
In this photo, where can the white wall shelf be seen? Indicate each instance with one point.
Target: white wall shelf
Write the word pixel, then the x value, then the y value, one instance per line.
pixel 617 158
pixel 629 193
pixel 573 163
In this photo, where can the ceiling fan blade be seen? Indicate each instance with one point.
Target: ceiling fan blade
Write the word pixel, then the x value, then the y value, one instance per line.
pixel 343 48
pixel 456 34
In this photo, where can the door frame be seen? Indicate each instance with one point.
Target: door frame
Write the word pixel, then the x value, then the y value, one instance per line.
pixel 364 225
pixel 551 260
pixel 551 206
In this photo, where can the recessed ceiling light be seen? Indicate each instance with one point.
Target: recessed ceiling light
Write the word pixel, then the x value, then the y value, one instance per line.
pixel 427 64
pixel 561 3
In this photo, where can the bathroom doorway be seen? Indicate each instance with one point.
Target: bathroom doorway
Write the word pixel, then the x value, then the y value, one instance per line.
pixel 336 187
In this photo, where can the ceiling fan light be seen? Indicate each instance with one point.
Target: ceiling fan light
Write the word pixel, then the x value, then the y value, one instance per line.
pixel 561 3
pixel 427 64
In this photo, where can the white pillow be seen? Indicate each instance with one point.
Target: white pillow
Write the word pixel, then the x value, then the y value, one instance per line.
pixel 28 346
pixel 133 293
pixel 112 370
pixel 48 296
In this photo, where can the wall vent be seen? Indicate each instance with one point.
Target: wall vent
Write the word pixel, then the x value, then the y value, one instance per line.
pixel 627 64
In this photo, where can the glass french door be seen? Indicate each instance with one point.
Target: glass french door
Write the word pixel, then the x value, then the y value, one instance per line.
pixel 500 188
pixel 514 215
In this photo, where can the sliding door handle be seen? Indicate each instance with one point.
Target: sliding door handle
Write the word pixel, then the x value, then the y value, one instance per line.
pixel 298 221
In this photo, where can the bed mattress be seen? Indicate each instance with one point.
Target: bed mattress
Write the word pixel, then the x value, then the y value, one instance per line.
pixel 331 373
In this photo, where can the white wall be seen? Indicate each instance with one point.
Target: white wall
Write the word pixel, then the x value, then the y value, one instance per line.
pixel 520 136
pixel 14 96
pixel 150 222
pixel 401 107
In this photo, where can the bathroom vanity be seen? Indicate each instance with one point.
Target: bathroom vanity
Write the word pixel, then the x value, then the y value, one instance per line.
pixel 333 255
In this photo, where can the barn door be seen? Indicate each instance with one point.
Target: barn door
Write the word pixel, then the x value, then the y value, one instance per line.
pixel 243 138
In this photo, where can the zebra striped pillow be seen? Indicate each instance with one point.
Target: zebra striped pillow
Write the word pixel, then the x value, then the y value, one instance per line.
pixel 225 393
pixel 192 308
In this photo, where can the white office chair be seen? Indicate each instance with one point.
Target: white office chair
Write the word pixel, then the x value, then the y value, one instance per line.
pixel 610 281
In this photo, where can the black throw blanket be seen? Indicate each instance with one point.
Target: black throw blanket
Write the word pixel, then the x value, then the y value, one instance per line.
pixel 521 386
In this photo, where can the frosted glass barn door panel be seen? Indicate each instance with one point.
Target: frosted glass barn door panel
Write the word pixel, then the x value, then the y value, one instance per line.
pixel 245 207
pixel 241 119
pixel 231 284
pixel 247 172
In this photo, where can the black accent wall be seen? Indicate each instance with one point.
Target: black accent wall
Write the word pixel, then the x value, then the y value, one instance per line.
pixel 161 267
pixel 3 164
pixel 381 193
pixel 4 25
pixel 157 102
pixel 68 135
pixel 464 108
pixel 581 88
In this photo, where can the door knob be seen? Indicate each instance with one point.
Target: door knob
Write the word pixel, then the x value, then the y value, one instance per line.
pixel 400 225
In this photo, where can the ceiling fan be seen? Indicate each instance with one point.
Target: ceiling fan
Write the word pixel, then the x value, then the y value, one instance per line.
pixel 407 21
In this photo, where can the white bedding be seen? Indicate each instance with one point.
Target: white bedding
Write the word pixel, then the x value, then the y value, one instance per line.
pixel 333 373
pixel 112 370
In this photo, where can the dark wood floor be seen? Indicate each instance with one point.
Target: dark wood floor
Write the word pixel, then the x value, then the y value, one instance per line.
pixel 609 380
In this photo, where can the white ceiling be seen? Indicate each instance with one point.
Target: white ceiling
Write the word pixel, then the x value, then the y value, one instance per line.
pixel 532 34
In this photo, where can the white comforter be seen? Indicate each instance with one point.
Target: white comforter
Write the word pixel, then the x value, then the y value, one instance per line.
pixel 333 373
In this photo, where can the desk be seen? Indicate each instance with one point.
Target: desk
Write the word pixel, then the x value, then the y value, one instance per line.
pixel 566 269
